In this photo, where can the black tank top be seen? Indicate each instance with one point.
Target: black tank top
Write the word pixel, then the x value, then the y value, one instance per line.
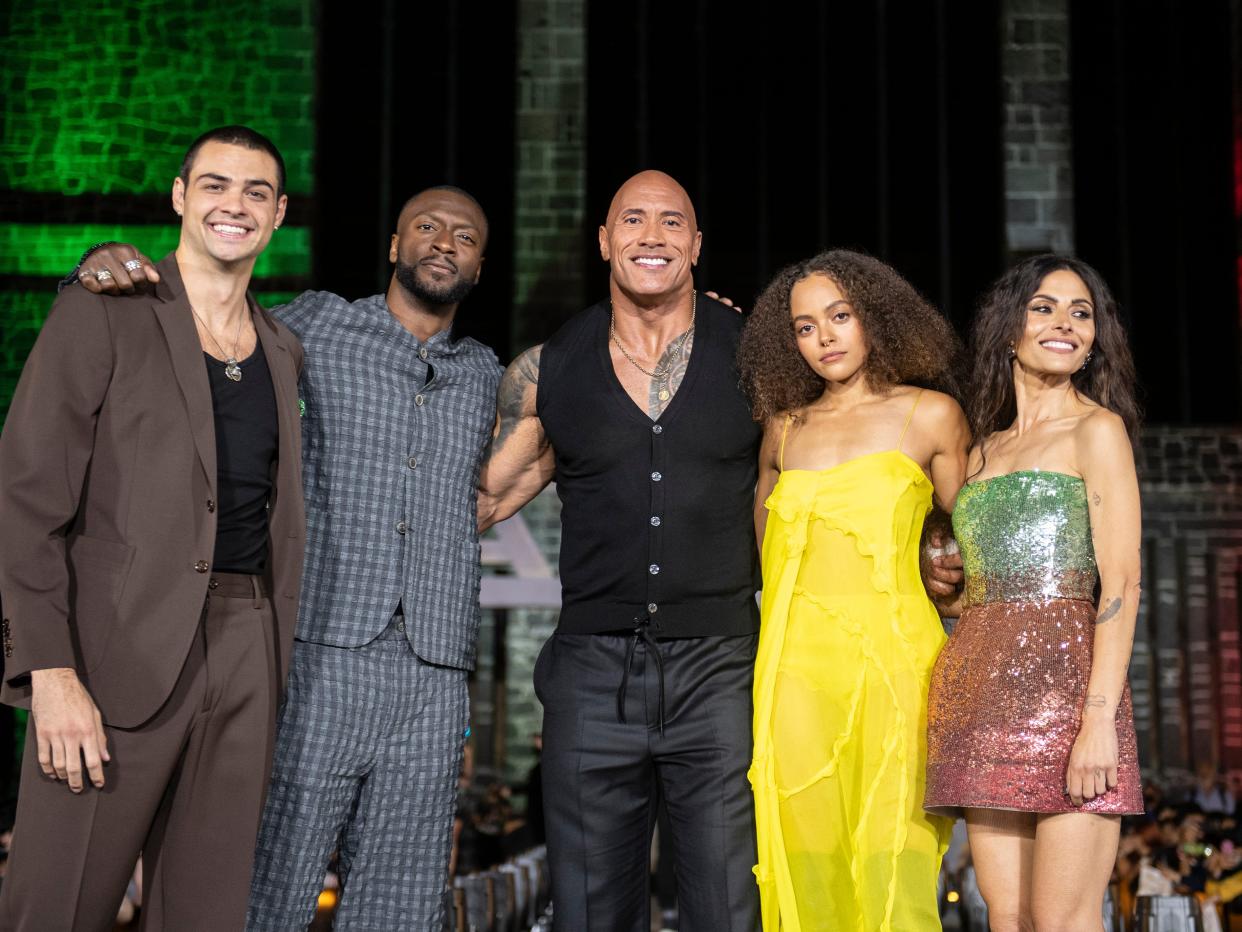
pixel 247 439
pixel 657 516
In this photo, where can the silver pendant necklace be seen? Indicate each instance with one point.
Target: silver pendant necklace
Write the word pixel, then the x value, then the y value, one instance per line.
pixel 232 371
pixel 658 374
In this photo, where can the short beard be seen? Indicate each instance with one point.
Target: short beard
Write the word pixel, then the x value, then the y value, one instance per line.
pixel 450 295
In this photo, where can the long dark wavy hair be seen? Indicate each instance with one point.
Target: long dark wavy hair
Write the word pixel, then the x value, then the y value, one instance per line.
pixel 1108 379
pixel 908 342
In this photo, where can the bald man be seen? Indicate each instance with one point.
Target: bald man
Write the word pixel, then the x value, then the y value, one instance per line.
pixel 634 408
pixel 397 414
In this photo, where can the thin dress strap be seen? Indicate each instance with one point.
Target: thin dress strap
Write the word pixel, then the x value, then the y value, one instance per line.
pixel 784 433
pixel 909 418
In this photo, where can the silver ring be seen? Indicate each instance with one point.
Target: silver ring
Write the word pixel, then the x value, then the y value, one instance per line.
pixel 102 275
pixel 133 265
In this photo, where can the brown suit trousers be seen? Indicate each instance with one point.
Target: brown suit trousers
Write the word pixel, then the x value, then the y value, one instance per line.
pixel 108 492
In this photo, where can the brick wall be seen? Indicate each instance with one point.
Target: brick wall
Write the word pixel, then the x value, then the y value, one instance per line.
pixel 551 166
pixel 550 234
pixel 1038 172
pixel 1186 672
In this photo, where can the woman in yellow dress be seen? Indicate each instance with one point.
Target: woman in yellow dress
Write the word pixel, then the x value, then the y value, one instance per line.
pixel 853 453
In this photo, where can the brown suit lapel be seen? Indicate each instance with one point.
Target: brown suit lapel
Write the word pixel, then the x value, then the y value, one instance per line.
pixel 172 310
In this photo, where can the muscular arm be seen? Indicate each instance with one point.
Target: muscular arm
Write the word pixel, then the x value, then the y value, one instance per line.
pixel 1107 464
pixel 769 472
pixel 519 460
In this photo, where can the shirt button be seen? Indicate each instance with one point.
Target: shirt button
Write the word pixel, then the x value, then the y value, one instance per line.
pixel 202 566
pixel 211 505
pixel 657 429
pixel 412 462
pixel 654 569
pixel 422 353
pixel 401 626
pixel 652 608
pixel 419 399
pixel 402 527
pixel 655 520
pixel 656 477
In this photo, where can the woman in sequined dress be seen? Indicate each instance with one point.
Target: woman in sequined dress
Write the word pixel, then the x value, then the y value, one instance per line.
pixel 1030 731
pixel 850 460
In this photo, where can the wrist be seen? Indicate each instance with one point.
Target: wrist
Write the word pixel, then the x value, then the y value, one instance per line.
pixel 1104 712
pixel 49 674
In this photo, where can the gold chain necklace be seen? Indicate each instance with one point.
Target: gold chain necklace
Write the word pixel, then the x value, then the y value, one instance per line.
pixel 231 369
pixel 658 375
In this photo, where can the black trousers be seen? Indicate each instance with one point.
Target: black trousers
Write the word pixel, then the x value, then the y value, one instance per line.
pixel 602 778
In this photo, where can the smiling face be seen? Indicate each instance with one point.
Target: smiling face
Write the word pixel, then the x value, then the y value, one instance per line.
pixel 438 247
pixel 826 329
pixel 1060 326
pixel 228 203
pixel 651 238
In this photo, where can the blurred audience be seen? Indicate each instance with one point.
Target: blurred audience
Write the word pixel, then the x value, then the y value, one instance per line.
pixel 1188 842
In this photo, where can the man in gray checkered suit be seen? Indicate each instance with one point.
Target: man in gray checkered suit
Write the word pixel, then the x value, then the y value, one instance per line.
pixel 369 740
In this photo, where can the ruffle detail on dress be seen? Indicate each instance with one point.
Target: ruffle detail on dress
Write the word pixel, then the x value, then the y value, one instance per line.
pixel 878 504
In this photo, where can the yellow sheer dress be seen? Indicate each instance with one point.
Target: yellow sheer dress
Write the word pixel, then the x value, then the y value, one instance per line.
pixel 846 649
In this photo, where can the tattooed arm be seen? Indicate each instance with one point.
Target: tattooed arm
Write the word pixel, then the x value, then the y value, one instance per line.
pixel 518 462
pixel 1107 465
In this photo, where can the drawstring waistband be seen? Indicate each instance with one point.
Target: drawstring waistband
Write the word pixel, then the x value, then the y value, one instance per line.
pixel 642 632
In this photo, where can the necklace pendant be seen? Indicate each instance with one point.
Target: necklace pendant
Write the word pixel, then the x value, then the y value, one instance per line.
pixel 663 396
pixel 232 370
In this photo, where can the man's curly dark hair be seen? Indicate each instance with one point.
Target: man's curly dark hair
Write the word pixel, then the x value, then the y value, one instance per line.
pixel 909 342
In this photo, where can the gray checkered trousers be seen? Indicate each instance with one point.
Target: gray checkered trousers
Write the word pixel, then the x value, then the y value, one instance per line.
pixel 369 738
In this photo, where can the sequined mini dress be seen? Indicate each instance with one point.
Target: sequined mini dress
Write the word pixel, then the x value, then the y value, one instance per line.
pixel 846 647
pixel 1008 688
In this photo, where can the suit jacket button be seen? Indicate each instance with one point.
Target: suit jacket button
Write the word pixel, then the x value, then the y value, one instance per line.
pixel 202 566
pixel 211 505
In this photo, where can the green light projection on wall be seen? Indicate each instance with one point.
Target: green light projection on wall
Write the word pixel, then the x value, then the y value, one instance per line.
pixel 105 97
pixel 54 249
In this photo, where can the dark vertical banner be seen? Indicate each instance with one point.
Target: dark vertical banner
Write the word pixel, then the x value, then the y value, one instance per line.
pixel 1201 687
pixel 1154 191
pixel 1227 644
pixel 872 126
pixel 1170 660
pixel 413 95
pixel 99 104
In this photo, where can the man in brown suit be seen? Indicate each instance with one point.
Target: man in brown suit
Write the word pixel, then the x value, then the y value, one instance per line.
pixel 151 537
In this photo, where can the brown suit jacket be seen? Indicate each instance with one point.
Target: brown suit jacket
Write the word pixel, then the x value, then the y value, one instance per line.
pixel 107 492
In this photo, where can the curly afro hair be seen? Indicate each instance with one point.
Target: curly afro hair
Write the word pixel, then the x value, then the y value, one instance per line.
pixel 909 342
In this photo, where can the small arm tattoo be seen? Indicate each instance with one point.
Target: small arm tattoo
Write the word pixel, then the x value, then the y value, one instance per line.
pixel 1095 499
pixel 514 396
pixel 1095 701
pixel 1108 612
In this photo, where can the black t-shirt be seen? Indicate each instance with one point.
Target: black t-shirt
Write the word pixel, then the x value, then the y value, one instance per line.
pixel 247 434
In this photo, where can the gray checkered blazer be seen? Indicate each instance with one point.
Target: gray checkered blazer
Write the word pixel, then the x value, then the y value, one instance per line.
pixel 393 434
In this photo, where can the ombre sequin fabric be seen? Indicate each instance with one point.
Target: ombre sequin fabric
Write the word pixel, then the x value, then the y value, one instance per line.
pixel 1007 690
